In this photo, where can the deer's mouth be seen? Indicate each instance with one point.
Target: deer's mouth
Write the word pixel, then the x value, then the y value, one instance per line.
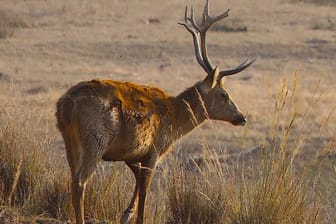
pixel 241 121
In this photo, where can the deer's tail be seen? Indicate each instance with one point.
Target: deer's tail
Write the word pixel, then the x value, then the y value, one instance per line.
pixel 64 112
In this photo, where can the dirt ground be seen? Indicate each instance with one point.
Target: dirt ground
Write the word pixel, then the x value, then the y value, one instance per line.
pixel 61 43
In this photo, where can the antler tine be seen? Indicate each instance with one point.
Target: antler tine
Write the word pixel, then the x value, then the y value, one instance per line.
pixel 185 14
pixel 208 20
pixel 206 11
pixel 223 15
pixel 191 26
pixel 186 24
pixel 239 68
pixel 192 19
pixel 198 32
pixel 203 28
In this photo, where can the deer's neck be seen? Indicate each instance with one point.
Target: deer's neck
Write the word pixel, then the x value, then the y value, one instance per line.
pixel 189 111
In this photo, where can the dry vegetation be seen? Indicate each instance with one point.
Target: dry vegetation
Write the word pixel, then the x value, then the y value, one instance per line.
pixel 280 168
pixel 318 2
pixel 9 22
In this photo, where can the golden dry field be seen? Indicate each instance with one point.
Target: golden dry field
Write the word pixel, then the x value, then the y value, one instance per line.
pixel 279 168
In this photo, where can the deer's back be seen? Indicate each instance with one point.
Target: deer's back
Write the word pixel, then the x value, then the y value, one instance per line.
pixel 127 117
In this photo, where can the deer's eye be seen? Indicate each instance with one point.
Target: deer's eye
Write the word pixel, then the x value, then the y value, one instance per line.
pixel 224 95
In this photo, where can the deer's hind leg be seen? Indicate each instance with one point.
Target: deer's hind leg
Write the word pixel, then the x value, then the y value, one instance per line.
pixel 83 157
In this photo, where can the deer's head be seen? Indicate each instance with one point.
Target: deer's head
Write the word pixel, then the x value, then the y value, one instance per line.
pixel 217 102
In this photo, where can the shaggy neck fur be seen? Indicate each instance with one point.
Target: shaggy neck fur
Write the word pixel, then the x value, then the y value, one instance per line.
pixel 189 111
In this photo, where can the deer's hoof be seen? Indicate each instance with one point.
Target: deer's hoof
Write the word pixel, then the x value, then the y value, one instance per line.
pixel 126 217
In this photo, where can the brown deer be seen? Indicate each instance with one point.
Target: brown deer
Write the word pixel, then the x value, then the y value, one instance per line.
pixel 122 121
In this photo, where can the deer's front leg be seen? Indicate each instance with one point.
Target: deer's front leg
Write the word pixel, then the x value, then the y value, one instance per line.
pixel 145 179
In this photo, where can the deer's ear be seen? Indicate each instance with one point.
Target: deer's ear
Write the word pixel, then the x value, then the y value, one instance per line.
pixel 222 82
pixel 215 78
pixel 212 79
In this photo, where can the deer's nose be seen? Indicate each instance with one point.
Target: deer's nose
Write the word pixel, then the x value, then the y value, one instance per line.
pixel 239 120
pixel 243 121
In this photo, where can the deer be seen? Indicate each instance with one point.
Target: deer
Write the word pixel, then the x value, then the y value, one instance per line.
pixel 107 120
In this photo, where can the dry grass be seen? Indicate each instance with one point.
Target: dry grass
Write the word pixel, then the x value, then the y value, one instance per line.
pixel 39 189
pixel 318 2
pixel 289 179
pixel 269 187
pixel 9 22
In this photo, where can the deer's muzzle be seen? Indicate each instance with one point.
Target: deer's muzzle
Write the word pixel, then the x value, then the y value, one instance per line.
pixel 239 120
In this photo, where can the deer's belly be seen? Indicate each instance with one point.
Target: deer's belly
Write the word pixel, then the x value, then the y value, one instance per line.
pixel 124 154
pixel 134 142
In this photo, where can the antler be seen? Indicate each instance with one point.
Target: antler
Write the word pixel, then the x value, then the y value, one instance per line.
pixel 198 32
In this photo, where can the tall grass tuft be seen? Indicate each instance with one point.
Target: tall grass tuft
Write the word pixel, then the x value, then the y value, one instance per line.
pixel 18 170
pixel 190 200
